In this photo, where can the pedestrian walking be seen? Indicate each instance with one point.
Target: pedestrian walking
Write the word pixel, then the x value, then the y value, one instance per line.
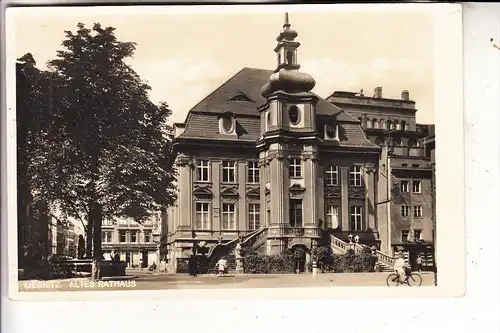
pixel 419 263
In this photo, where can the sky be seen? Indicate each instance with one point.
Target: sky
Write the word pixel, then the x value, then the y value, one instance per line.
pixel 186 54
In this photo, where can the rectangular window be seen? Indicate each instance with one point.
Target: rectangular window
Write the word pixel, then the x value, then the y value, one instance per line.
pixel 405 210
pixel 133 236
pixel 106 237
pixel 202 221
pixel 202 171
pixel 253 172
pixel 296 213
pixel 405 186
pixel 404 235
pixel 147 236
pixel 417 211
pixel 229 172
pixel 123 236
pixel 417 186
pixel 228 216
pixel 355 176
pixel 417 234
pixel 356 217
pixel 332 175
pixel 253 216
pixel 295 168
pixel 332 217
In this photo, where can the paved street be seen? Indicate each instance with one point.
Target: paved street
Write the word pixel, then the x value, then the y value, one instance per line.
pixel 160 281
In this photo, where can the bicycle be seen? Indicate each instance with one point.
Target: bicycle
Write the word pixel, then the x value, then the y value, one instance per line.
pixel 412 279
pixel 213 272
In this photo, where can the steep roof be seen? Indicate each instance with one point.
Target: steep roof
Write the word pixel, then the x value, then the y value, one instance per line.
pixel 241 96
pixel 247 83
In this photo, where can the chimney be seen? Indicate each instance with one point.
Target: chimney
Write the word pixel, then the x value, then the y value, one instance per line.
pixel 405 95
pixel 378 92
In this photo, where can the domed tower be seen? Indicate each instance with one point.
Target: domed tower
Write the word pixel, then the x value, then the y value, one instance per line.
pixel 288 150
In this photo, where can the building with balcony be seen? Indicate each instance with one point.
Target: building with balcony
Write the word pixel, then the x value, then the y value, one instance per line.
pixel 405 173
pixel 132 240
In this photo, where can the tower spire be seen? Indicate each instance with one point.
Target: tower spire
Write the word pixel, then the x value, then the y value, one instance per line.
pixel 286 76
pixel 287 21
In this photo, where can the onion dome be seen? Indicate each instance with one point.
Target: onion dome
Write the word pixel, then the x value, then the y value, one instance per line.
pixel 287 33
pixel 290 81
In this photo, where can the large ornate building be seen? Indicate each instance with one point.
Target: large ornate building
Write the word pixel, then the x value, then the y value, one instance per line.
pixel 263 158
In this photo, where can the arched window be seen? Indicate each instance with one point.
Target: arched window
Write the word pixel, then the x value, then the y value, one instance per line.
pixel 369 124
pixel 397 142
pixel 294 115
pixel 279 58
pixel 289 57
pixel 389 124
pixel 375 123
pixel 382 124
pixel 397 125
pixel 269 119
pixel 412 143
pixel 403 125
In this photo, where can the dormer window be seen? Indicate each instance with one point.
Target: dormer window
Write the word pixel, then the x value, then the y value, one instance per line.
pixel 332 132
pixel 294 115
pixel 227 124
pixel 241 97
pixel 369 124
pixel 375 124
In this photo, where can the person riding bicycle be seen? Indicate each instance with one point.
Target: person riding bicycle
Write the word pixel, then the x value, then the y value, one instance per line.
pixel 400 267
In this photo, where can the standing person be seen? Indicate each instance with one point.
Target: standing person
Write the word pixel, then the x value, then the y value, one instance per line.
pixel 419 263
pixel 192 266
pixel 222 266
pixel 140 263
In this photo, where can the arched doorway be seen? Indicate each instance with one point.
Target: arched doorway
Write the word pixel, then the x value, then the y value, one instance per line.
pixel 299 252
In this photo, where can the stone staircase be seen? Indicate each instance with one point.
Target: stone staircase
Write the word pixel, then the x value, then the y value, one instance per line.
pixel 255 239
pixel 385 262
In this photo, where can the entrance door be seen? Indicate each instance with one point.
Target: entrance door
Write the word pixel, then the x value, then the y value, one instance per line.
pixel 128 257
pixel 412 259
pixel 145 258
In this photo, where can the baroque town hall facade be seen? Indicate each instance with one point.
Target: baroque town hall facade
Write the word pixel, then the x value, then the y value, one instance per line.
pixel 264 158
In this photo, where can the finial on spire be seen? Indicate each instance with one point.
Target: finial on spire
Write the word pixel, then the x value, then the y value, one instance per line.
pixel 287 21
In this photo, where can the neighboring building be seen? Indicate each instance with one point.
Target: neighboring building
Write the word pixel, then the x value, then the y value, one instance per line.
pixel 405 199
pixel 132 240
pixel 430 151
pixel 264 153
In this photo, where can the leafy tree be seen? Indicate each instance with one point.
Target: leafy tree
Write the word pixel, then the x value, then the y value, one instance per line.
pixel 35 128
pixel 113 142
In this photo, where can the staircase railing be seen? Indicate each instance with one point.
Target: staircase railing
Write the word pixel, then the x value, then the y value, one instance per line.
pixel 342 246
pixel 382 257
pixel 231 245
pixel 255 237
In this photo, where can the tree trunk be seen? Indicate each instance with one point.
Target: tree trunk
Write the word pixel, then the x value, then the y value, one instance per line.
pixel 96 219
pixel 89 236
